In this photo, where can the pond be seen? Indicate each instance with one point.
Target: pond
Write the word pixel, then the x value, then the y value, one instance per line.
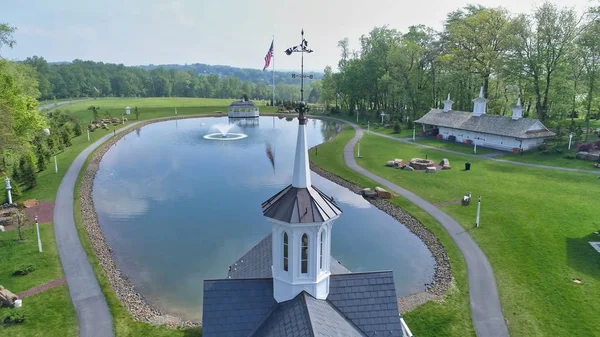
pixel 178 209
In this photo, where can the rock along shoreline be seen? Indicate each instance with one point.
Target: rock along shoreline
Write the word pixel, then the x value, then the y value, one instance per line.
pixel 142 309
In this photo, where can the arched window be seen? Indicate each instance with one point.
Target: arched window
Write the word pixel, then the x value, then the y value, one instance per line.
pixel 304 257
pixel 321 239
pixel 285 251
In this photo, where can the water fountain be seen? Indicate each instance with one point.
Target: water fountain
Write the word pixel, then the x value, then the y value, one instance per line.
pixel 223 133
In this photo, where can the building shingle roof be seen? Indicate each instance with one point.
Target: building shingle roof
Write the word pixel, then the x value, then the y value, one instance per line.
pixel 359 304
pixel 523 128
pixel 256 263
pixel 300 205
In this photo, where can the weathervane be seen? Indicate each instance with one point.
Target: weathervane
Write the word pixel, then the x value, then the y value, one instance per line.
pixel 301 48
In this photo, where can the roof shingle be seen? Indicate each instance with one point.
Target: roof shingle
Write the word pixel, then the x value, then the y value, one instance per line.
pixel 300 205
pixel 523 128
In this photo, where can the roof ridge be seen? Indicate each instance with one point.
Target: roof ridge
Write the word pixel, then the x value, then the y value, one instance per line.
pixel 263 320
pixel 345 317
pixel 305 307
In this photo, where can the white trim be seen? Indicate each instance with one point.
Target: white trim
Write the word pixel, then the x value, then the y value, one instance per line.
pixel 405 330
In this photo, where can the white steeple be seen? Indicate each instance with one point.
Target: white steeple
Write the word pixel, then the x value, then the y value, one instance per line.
pixel 301 219
pixel 479 104
pixel 517 110
pixel 448 104
pixel 301 177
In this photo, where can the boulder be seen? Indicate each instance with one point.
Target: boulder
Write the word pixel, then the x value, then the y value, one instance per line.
pixel 7 298
pixel 445 164
pixel 398 162
pixel 382 193
pixel 430 170
pixel 390 163
pixel 368 193
pixel 581 155
pixel 1 228
pixel 408 168
pixel 597 166
pixel 30 203
pixel 593 156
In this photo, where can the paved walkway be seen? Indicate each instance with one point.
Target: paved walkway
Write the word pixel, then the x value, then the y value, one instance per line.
pixel 52 106
pixel 489 156
pixel 485 305
pixel 93 314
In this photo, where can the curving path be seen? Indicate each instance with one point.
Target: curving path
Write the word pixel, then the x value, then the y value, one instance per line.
pixel 489 156
pixel 52 106
pixel 92 311
pixel 485 305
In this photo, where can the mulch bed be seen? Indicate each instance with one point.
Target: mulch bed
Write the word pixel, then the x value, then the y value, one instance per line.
pixel 44 210
pixel 43 287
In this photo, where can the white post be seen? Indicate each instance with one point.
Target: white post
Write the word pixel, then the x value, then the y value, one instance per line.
pixel 356 115
pixel 37 228
pixel 570 138
pixel 478 212
pixel 8 188
pixel 414 132
pixel 88 133
pixel 369 127
pixel 175 111
pixel 358 156
pixel 55 165
pixel 475 147
pixel 382 114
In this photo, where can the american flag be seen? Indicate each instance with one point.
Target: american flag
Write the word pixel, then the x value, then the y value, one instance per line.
pixel 268 57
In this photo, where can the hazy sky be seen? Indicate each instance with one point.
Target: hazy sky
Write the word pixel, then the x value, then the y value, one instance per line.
pixel 236 33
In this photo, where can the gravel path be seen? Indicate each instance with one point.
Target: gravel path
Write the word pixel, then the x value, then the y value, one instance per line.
pixel 43 287
pixel 485 305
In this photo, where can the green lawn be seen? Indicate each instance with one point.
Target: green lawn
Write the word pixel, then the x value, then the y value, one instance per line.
pixel 150 108
pixel 449 317
pixel 372 125
pixel 454 146
pixel 535 225
pixel 536 157
pixel 50 313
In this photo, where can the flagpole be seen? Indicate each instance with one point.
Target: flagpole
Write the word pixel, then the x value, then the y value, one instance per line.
pixel 273 73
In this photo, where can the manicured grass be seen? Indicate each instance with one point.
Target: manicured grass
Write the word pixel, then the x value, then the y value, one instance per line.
pixel 374 125
pixel 150 108
pixel 536 157
pixel 449 317
pixel 454 146
pixel 14 253
pixel 49 314
pixel 535 225
pixel 123 322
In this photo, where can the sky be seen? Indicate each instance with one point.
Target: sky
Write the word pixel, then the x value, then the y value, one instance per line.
pixel 223 32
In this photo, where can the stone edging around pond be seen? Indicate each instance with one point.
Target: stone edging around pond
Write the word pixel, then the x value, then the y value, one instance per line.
pixel 143 311
pixel 442 277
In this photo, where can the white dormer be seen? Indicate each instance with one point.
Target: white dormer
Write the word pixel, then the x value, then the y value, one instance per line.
pixel 479 104
pixel 448 104
pixel 517 110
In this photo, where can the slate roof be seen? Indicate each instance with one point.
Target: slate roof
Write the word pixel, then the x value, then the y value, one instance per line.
pixel 243 104
pixel 256 263
pixel 359 304
pixel 491 124
pixel 300 205
pixel 305 316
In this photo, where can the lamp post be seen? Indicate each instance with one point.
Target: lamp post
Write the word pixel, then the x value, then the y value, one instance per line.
pixel 570 139
pixel 414 132
pixel 55 165
pixel 8 188
pixel 369 127
pixel 358 155
pixel 478 212
pixel 475 147
pixel 382 114
pixel 37 228
pixel 356 115
pixel 88 134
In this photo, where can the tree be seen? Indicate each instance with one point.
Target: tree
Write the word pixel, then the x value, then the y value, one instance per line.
pixel 589 50
pixel 137 113
pixel 27 175
pixel 94 111
pixel 6 38
pixel 20 219
pixel 543 40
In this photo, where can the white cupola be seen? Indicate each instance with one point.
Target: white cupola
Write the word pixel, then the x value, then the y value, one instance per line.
pixel 517 110
pixel 479 104
pixel 301 219
pixel 448 104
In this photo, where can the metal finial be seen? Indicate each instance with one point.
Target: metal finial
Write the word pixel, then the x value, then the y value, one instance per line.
pixel 302 31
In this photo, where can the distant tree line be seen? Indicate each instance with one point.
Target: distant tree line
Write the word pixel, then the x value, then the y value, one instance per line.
pixel 96 79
